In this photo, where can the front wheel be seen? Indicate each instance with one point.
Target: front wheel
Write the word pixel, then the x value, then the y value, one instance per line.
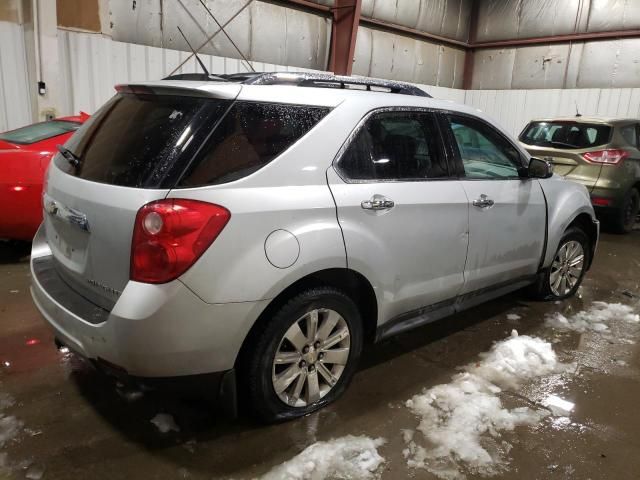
pixel 305 356
pixel 567 270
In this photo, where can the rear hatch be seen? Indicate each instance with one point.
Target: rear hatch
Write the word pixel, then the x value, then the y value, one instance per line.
pixel 131 152
pixel 564 143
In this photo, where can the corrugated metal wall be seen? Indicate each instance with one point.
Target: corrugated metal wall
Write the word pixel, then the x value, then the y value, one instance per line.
pixel 262 31
pixel 511 19
pixel 15 102
pixel 515 108
pixel 398 57
pixel 594 64
pixel 92 64
pixel 600 64
pixel 447 18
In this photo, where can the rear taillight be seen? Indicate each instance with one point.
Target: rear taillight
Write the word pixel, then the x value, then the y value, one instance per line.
pixel 606 157
pixel 170 235
pixel 600 202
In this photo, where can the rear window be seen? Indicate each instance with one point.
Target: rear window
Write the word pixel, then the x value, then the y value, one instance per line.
pixel 250 136
pixel 167 141
pixel 39 131
pixel 566 135
pixel 142 140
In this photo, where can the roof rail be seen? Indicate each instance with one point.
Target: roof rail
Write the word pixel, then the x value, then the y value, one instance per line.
pixel 303 79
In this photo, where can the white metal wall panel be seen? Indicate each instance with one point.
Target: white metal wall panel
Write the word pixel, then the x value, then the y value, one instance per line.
pixel 515 108
pixel 15 101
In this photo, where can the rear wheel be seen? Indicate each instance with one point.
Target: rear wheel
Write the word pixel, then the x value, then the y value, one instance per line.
pixel 305 357
pixel 567 270
pixel 626 217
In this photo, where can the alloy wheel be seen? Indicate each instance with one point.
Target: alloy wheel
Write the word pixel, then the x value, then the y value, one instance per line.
pixel 311 357
pixel 566 268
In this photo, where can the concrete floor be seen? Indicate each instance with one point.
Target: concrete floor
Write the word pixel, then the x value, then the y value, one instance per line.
pixel 77 425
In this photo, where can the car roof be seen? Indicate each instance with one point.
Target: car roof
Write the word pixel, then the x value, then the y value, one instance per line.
pixel 602 120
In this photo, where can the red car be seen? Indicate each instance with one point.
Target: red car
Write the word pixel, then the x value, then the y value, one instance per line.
pixel 24 157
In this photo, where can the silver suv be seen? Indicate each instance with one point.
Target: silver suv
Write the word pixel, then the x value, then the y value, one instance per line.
pixel 263 228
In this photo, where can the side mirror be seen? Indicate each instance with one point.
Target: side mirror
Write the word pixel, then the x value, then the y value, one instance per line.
pixel 539 168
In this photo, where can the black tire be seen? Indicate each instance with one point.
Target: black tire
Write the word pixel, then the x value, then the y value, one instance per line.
pixel 625 218
pixel 263 401
pixel 542 289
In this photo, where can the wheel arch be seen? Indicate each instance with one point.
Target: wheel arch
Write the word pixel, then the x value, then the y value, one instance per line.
pixel 351 282
pixel 584 222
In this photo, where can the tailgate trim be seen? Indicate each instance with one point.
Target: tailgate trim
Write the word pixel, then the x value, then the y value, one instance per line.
pixel 53 284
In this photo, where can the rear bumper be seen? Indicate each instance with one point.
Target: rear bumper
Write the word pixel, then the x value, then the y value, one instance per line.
pixel 152 331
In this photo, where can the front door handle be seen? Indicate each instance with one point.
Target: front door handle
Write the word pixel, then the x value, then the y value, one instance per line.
pixel 378 202
pixel 483 202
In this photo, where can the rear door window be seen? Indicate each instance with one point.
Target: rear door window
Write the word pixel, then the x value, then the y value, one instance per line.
pixel 395 146
pixel 250 136
pixel 39 131
pixel 566 135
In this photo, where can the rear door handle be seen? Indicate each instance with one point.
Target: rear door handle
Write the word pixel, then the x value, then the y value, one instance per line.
pixel 483 202
pixel 377 202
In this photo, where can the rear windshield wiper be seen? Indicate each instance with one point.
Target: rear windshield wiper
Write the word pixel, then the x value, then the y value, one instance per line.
pixel 71 157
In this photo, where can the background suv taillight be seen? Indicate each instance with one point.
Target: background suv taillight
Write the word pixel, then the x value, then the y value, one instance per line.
pixel 170 235
pixel 607 157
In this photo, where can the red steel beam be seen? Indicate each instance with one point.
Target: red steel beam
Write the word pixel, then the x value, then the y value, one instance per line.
pixel 469 56
pixel 306 4
pixel 572 37
pixel 346 18
pixel 392 27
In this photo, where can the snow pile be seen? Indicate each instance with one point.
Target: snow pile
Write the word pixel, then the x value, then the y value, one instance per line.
pixel 353 458
pixel 516 360
pixel 594 319
pixel 513 317
pixel 9 426
pixel 462 420
pixel 165 423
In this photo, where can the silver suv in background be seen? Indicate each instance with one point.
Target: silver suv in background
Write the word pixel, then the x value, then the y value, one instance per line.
pixel 263 228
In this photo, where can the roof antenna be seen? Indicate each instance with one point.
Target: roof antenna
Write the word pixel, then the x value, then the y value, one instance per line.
pixel 195 54
pixel 578 114
pixel 227 35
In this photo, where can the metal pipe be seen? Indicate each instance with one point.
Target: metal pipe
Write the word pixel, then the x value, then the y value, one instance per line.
pixel 36 34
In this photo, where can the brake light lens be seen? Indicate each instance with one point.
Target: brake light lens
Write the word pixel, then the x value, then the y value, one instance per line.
pixel 170 235
pixel 606 157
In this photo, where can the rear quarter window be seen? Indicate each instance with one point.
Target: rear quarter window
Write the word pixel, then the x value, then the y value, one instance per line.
pixel 250 136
